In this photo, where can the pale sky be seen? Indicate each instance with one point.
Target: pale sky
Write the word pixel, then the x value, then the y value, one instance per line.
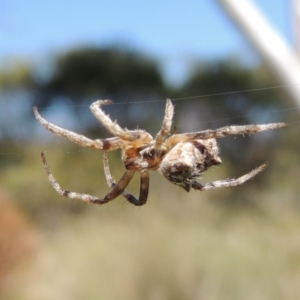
pixel 174 31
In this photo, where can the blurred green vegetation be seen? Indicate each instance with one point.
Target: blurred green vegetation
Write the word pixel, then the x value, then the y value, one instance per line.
pixel 237 243
pixel 112 72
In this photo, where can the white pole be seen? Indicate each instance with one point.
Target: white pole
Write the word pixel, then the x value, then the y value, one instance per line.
pixel 296 23
pixel 281 58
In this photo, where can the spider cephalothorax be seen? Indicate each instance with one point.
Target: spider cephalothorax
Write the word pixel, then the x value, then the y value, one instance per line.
pixel 181 158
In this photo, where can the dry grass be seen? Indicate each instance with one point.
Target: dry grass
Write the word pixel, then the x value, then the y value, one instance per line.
pixel 148 254
pixel 178 246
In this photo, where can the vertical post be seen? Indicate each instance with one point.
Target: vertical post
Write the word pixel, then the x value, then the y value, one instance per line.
pixel 280 56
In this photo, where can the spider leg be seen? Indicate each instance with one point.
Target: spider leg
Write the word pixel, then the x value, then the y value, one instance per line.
pixel 107 144
pixel 115 192
pixel 137 137
pixel 166 124
pixel 112 127
pixel 230 182
pixel 222 132
pixel 144 184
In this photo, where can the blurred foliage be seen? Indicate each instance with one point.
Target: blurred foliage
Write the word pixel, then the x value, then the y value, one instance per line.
pixel 18 75
pixel 238 243
pixel 109 72
pixel 235 91
pixel 177 246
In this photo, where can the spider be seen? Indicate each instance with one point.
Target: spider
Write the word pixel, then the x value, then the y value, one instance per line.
pixel 180 158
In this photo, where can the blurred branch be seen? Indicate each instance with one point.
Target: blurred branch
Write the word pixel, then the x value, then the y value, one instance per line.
pixel 280 57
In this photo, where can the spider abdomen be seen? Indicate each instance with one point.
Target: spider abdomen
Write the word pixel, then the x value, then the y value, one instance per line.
pixel 187 161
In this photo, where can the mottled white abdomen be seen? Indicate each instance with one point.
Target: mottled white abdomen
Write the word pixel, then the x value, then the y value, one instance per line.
pixel 186 161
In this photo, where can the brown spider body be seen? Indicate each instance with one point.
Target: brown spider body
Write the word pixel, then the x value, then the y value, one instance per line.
pixel 180 158
pixel 144 158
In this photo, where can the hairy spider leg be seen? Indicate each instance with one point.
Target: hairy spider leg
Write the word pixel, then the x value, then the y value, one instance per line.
pixel 144 184
pixel 230 182
pixel 99 144
pixel 222 132
pixel 166 125
pixel 136 138
pixel 115 192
